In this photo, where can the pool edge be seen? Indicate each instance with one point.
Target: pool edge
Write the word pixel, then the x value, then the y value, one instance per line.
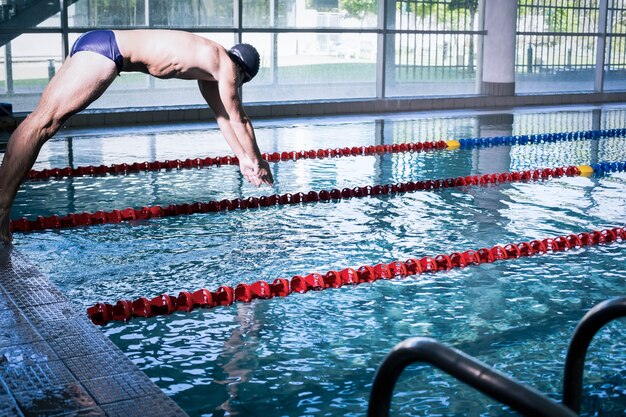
pixel 53 360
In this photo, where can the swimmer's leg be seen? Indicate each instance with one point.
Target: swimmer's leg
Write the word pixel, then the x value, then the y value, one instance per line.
pixel 80 80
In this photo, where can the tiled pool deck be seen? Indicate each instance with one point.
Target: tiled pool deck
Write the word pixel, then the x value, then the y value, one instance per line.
pixel 54 362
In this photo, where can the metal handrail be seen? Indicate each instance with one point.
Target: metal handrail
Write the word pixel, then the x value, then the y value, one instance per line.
pixel 465 368
pixel 588 326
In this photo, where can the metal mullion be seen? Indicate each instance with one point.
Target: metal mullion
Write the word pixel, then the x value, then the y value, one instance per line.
pixel 601 47
pixel 622 61
pixel 479 48
pixel 430 25
pixel 65 49
pixel 572 53
pixel 422 51
pixel 532 15
pixel 381 53
pixel 400 40
pixel 438 17
pixel 30 30
pixel 572 42
pixel 8 63
pixel 414 38
pixel 238 16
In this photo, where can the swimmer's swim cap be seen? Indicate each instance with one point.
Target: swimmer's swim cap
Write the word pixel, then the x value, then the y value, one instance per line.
pixel 247 57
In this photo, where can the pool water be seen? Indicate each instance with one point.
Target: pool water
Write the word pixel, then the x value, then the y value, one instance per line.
pixel 315 354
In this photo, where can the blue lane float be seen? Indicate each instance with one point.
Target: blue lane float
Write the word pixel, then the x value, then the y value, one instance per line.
pixel 541 138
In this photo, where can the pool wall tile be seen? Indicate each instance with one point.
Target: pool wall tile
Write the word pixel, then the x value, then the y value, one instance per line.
pixel 276 109
pixel 204 114
pixel 191 114
pixel 416 105
pixel 368 106
pixel 15 329
pixel 112 119
pixel 99 365
pixel 97 118
pixel 53 361
pixel 304 109
pixel 144 117
pixel 291 111
pixel 160 116
pixel 54 400
pixel 459 102
pixel 156 406
pixel 111 389
pixel 127 118
pixel 9 407
pixel 404 105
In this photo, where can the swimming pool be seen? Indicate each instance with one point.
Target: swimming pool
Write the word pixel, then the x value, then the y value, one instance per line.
pixel 316 353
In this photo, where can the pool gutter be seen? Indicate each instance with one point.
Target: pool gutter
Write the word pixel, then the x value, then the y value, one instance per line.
pixel 54 361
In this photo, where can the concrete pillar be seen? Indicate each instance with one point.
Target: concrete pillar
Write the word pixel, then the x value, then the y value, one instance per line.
pixel 498 69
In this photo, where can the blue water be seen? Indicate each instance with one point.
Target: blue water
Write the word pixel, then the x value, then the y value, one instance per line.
pixel 315 354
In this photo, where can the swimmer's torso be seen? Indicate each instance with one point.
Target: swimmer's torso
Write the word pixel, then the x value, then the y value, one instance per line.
pixel 169 54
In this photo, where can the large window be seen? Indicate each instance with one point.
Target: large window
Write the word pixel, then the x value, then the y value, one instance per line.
pixel 556 45
pixel 326 49
pixel 432 49
pixel 152 13
pixel 313 66
pixel 615 60
pixel 347 14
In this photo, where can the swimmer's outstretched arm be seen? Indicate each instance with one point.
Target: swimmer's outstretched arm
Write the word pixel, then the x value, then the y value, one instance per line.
pixel 237 130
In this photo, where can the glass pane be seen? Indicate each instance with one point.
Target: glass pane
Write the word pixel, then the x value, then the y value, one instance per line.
pixel 579 16
pixel 154 13
pixel 33 60
pixel 53 21
pixel 617 17
pixel 434 15
pixel 313 66
pixel 431 65
pixel 3 72
pixel 29 14
pixel 547 63
pixel 104 13
pixel 615 68
pixel 191 13
pixel 358 14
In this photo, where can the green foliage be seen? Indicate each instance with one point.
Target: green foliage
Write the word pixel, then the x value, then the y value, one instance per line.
pixel 469 5
pixel 421 8
pixel 569 16
pixel 358 8
pixel 437 8
pixel 558 19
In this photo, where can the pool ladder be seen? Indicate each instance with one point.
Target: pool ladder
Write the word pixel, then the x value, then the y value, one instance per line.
pixel 519 397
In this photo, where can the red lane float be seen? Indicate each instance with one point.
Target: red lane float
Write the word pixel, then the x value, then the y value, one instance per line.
pixel 196 163
pixel 124 310
pixel 144 213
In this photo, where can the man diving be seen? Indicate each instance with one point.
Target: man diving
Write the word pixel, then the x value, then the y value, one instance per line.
pixel 97 57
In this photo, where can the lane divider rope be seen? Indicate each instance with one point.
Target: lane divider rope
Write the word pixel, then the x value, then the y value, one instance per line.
pixel 135 167
pixel 124 310
pixel 124 168
pixel 131 214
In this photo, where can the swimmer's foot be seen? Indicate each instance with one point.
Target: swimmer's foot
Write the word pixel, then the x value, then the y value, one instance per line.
pixel 5 233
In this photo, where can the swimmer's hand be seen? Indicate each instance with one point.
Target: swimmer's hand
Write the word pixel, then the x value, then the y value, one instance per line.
pixel 5 233
pixel 257 174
